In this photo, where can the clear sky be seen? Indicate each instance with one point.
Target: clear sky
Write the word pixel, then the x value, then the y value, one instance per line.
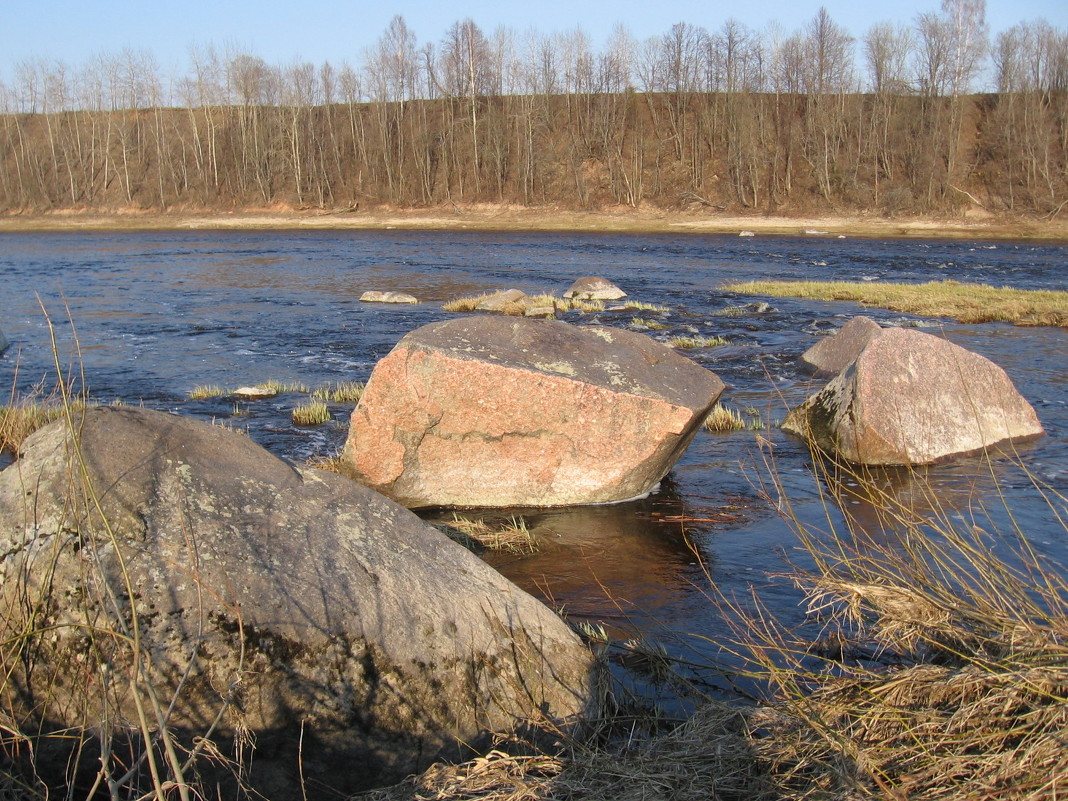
pixel 73 31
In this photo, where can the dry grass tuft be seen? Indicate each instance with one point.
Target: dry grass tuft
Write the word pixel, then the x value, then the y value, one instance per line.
pixel 707 757
pixel 510 535
pixel 942 670
pixel 967 303
pixel 697 342
pixel 722 418
pixel 649 325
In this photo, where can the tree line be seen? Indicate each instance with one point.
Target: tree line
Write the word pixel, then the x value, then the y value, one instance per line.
pixel 730 119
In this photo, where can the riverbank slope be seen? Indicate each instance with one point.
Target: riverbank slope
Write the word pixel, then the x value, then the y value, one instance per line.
pixel 491 217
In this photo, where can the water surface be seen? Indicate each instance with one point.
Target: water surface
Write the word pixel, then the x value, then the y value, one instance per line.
pixel 148 316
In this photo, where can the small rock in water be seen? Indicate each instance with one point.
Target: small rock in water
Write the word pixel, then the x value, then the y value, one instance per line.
pixel 593 288
pixel 255 393
pixel 375 296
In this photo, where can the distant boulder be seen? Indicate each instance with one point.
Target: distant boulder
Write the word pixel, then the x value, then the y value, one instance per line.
pixel 593 288
pixel 500 301
pixel 321 633
pixel 833 354
pixel 913 398
pixel 503 411
pixel 375 296
pixel 4 344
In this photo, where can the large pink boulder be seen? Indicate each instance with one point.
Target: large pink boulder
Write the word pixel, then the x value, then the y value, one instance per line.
pixel 501 411
pixel 833 354
pixel 914 398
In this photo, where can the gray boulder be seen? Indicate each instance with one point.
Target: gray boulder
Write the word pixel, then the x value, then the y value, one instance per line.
pixel 510 411
pixel 319 632
pixel 913 398
pixel 3 342
pixel 592 287
pixel 832 355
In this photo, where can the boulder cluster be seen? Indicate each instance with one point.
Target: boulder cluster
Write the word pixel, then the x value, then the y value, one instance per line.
pixel 905 397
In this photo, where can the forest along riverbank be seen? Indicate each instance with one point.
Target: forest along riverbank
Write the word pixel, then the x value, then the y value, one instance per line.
pixel 499 217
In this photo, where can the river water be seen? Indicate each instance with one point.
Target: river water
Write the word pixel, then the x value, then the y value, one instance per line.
pixel 146 317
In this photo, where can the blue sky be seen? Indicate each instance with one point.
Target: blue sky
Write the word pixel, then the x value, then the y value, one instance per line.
pixel 73 31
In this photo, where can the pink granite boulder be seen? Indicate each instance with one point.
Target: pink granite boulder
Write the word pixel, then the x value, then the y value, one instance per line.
pixel 833 354
pixel 501 411
pixel 914 398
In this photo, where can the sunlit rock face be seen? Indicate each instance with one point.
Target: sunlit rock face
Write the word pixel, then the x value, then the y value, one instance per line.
pixel 833 354
pixel 501 411
pixel 914 398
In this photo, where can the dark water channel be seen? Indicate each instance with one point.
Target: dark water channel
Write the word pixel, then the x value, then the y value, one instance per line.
pixel 155 314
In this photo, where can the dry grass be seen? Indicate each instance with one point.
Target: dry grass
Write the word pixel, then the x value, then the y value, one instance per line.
pixel 697 342
pixel 967 303
pixel 942 669
pixel 722 418
pixel 510 535
pixel 640 305
pixel 707 758
pixel 519 308
pixel 649 325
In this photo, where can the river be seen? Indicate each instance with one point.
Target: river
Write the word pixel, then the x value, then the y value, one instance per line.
pixel 145 317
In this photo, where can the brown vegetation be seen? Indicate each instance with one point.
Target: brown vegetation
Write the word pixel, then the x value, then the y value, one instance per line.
pixel 968 303
pixel 730 120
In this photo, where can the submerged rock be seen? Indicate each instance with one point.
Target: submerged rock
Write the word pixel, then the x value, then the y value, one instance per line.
pixel 914 398
pixel 375 296
pixel 501 411
pixel 4 344
pixel 342 642
pixel 832 355
pixel 593 288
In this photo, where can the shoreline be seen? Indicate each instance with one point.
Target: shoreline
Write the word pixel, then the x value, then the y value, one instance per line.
pixel 488 217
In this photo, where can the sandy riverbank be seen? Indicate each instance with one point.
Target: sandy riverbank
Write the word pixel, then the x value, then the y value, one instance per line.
pixel 486 217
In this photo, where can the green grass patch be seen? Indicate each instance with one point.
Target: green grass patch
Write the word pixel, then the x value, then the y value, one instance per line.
pixel 639 305
pixel 649 325
pixel 340 392
pixel 698 342
pixel 205 391
pixel 966 303
pixel 312 413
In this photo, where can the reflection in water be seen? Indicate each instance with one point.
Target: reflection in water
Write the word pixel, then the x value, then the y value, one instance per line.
pixel 883 504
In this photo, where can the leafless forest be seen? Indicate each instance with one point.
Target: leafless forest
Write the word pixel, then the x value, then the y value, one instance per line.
pixel 923 118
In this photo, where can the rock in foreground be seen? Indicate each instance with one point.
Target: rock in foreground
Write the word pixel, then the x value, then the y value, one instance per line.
pixel 499 411
pixel 913 398
pixel 344 642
